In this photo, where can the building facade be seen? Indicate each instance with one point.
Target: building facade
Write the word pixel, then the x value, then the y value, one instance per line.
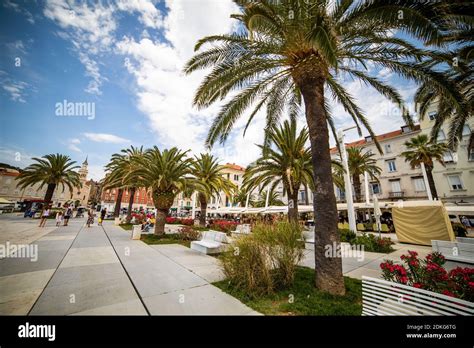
pixel 455 180
pixel 397 180
pixel 10 190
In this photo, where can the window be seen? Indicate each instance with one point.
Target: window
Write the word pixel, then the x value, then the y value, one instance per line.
pixel 471 154
pixel 388 148
pixel 419 184
pixel 391 166
pixel 448 157
pixel 375 188
pixel 455 182
pixel 466 130
pixel 396 186
pixel 432 115
pixel 236 177
pixel 441 136
pixel 406 129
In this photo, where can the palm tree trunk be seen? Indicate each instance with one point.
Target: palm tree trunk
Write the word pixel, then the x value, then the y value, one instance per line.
pixel 118 202
pixel 357 184
pixel 429 174
pixel 203 203
pixel 130 204
pixel 49 193
pixel 306 195
pixel 328 270
pixel 163 203
pixel 293 208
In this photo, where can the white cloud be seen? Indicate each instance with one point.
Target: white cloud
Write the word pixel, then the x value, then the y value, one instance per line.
pixel 106 138
pixel 164 94
pixel 15 89
pixel 15 7
pixel 149 14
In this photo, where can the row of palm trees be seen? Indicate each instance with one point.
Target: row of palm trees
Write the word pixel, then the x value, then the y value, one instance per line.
pixel 290 53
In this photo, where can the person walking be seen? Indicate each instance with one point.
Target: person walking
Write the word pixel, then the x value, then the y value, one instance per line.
pixel 90 217
pixel 59 218
pixel 67 215
pixel 103 212
pixel 44 216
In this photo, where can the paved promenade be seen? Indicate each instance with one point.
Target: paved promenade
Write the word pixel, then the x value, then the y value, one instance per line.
pixel 101 271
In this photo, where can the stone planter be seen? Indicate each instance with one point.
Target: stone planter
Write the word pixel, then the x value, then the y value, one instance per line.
pixel 137 232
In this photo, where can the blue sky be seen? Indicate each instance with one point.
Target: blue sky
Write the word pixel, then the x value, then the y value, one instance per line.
pixel 125 58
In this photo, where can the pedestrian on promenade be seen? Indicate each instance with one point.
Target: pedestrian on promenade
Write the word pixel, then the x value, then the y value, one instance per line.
pixel 59 218
pixel 103 212
pixel 44 216
pixel 67 215
pixel 90 217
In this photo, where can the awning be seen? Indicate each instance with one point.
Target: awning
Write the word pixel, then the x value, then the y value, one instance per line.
pixel 5 201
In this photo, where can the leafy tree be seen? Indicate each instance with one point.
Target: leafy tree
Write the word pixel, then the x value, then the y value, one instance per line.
pixel 209 181
pixel 285 161
pixel 421 149
pixel 287 53
pixel 52 170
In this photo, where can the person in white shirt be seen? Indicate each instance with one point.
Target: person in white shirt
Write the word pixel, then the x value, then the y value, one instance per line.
pixel 44 216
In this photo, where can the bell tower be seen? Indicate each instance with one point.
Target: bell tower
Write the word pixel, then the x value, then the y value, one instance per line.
pixel 84 171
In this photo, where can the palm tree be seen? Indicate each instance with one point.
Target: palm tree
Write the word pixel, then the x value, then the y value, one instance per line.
pixel 457 66
pixel 290 52
pixel 273 199
pixel 361 161
pixel 422 149
pixel 209 181
pixel 113 180
pixel 123 167
pixel 165 173
pixel 285 161
pixel 51 170
pixel 242 195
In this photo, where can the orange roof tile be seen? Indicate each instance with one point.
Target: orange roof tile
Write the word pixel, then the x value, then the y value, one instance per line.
pixel 381 137
pixel 234 166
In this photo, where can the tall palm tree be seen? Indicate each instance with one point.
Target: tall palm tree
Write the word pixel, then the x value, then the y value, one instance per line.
pixel 52 170
pixel 285 161
pixel 273 199
pixel 165 173
pixel 422 149
pixel 123 173
pixel 359 162
pixel 209 181
pixel 289 52
pixel 457 66
pixel 114 181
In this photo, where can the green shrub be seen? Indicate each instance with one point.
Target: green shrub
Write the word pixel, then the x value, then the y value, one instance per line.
pixel 459 230
pixel 265 260
pixel 374 243
pixel 347 236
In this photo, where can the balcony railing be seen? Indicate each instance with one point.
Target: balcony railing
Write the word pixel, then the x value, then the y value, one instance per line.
pixel 396 194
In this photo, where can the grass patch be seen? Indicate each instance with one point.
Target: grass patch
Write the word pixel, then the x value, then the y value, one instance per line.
pixel 164 239
pixel 306 299
pixel 127 227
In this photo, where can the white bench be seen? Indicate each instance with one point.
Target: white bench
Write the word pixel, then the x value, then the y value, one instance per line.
pixel 381 297
pixel 212 242
pixel 465 240
pixel 241 230
pixel 454 251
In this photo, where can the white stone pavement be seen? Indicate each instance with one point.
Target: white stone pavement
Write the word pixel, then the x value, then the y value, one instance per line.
pixel 101 271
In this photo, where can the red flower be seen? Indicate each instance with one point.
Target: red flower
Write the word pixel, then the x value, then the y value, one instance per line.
pixel 448 293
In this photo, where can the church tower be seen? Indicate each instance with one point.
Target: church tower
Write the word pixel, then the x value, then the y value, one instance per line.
pixel 83 171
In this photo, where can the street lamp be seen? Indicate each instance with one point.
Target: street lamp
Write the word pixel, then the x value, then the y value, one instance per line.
pixel 347 180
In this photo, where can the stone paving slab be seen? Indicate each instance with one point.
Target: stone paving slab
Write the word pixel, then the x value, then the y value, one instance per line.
pixel 89 281
pixel 162 281
pixel 19 291
pixel 202 300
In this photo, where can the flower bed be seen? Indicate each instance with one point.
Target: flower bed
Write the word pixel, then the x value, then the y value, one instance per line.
pixel 429 274
pixel 224 226
pixel 177 221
